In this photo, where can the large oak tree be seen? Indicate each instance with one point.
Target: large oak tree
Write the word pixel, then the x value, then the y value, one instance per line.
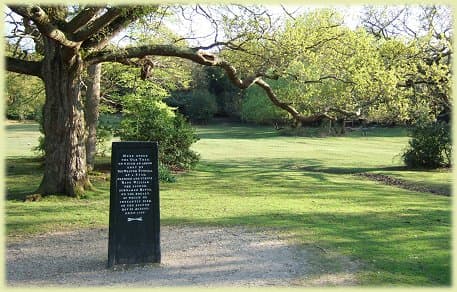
pixel 63 44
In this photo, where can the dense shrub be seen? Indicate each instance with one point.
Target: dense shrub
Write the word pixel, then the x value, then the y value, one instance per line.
pixel 430 146
pixel 107 126
pixel 228 96
pixel 104 136
pixel 198 105
pixel 201 106
pixel 149 120
pixel 257 108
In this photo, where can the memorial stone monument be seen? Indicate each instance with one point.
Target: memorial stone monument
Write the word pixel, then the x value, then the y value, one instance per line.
pixel 134 220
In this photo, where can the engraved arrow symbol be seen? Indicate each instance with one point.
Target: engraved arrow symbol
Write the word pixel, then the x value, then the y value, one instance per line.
pixel 135 219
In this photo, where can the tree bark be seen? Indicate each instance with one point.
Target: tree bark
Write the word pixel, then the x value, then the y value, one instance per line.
pixel 65 170
pixel 92 112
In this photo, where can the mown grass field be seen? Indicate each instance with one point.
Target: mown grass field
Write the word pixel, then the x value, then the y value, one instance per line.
pixel 302 186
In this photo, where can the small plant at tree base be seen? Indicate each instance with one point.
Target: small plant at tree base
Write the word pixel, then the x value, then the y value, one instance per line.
pixel 39 149
pixel 165 174
pixel 430 146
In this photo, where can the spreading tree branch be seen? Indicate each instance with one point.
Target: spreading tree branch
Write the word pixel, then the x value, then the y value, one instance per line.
pixel 287 12
pixel 82 18
pixel 101 38
pixel 321 79
pixel 209 59
pixel 196 56
pixel 43 23
pixel 323 41
pixel 98 24
pixel 343 112
pixel 23 67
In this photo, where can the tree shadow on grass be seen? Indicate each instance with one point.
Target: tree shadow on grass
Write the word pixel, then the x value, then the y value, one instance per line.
pixel 283 179
pixel 241 131
pixel 373 173
pixel 272 170
pixel 23 176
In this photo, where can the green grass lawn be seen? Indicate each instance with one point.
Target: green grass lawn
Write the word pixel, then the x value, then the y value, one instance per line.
pixel 303 186
pixel 21 138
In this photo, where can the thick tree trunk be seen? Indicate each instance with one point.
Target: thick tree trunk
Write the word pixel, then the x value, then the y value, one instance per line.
pixel 65 170
pixel 91 112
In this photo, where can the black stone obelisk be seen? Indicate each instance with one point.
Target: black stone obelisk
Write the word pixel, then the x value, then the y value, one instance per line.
pixel 134 219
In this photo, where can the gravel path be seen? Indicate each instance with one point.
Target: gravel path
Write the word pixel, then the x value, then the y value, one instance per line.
pixel 191 256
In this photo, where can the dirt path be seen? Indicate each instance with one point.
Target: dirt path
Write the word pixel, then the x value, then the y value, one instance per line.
pixel 191 256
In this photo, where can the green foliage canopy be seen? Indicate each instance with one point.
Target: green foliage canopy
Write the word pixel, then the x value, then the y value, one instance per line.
pixel 321 66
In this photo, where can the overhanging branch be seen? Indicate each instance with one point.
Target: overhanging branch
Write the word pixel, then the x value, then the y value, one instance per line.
pixel 207 59
pixel 196 56
pixel 23 67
